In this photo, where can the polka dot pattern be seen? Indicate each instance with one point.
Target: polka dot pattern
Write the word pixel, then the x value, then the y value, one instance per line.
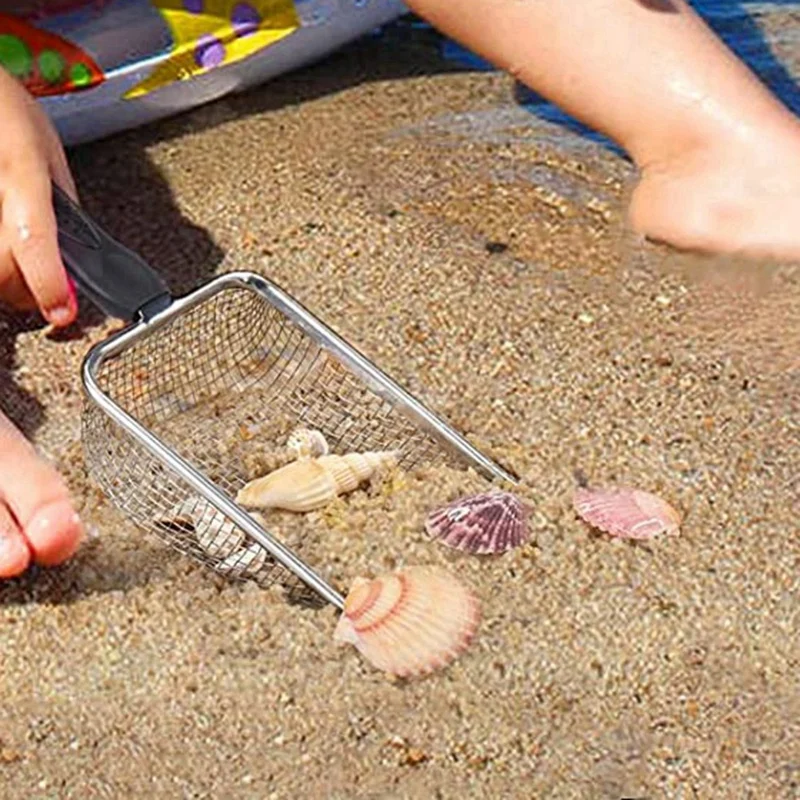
pixel 80 75
pixel 51 66
pixel 209 52
pixel 15 56
pixel 245 19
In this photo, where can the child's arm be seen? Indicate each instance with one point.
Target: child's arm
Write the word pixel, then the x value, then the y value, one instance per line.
pixel 31 272
pixel 648 73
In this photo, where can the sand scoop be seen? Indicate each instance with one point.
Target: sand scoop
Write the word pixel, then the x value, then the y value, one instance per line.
pixel 172 400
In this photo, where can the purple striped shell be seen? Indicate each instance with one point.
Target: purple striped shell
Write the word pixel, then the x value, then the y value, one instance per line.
pixel 493 522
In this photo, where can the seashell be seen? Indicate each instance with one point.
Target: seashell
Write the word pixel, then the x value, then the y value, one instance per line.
pixel 246 561
pixel 180 515
pixel 409 622
pixel 219 537
pixel 311 483
pixel 216 534
pixel 626 512
pixel 353 469
pixel 307 443
pixel 492 522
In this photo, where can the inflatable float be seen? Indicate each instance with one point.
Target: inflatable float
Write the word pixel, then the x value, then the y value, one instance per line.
pixel 102 66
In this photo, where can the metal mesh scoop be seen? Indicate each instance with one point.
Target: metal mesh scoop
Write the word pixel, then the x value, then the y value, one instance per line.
pixel 180 402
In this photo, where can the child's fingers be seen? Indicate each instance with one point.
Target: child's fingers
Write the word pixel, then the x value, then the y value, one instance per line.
pixel 63 177
pixel 14 291
pixel 29 221
pixel 59 166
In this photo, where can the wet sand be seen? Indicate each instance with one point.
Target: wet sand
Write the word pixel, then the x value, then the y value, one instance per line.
pixel 478 254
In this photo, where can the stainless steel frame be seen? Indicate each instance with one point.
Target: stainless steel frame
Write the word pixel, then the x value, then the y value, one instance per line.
pixel 374 378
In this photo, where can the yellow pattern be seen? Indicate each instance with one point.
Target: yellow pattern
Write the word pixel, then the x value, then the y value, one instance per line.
pixel 278 19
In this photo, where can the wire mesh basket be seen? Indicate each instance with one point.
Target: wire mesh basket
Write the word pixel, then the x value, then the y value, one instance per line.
pixel 179 404
pixel 226 374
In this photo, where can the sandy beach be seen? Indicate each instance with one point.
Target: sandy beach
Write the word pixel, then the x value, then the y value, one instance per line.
pixel 477 252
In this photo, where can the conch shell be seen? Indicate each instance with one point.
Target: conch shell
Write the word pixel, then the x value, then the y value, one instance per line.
pixel 307 443
pixel 312 483
pixel 410 622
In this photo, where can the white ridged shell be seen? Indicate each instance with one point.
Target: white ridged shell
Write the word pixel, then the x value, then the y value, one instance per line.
pixel 246 561
pixel 307 443
pixel 312 483
pixel 221 539
pixel 216 534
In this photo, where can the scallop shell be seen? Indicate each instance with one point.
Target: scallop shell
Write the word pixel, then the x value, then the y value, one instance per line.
pixel 409 622
pixel 492 522
pixel 307 443
pixel 311 483
pixel 626 512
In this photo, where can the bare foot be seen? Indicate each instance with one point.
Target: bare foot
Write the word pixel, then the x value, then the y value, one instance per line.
pixel 37 521
pixel 727 199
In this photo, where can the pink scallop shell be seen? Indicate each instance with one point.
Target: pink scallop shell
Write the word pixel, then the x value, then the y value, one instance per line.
pixel 626 512
pixel 493 522
pixel 410 622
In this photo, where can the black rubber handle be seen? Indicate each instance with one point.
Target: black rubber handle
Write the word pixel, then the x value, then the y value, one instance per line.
pixel 114 278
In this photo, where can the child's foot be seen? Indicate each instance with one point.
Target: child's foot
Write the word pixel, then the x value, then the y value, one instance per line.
pixel 725 199
pixel 37 521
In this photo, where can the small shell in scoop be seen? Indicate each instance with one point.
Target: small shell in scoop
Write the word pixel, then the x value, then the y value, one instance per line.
pixel 246 561
pixel 216 534
pixel 307 443
pixel 312 483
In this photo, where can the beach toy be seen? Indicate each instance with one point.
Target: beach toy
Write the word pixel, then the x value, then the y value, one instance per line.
pixel 44 62
pixel 411 622
pixel 626 512
pixel 492 522
pixel 102 66
pixel 311 483
pixel 42 9
pixel 166 393
pixel 207 34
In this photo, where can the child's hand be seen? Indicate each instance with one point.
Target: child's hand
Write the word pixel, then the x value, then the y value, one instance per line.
pixel 31 271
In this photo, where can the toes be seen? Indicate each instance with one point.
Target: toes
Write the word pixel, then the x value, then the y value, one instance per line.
pixel 15 555
pixel 54 533
pixel 38 499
